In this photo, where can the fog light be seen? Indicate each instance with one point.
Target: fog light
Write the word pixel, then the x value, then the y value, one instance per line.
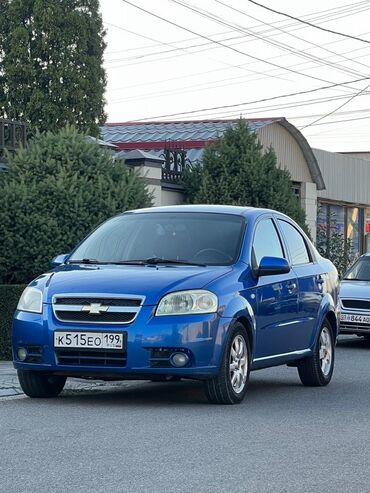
pixel 22 353
pixel 179 359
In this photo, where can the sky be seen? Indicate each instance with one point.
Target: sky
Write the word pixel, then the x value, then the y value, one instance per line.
pixel 222 59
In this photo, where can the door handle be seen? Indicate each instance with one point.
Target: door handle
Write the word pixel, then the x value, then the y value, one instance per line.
pixel 292 286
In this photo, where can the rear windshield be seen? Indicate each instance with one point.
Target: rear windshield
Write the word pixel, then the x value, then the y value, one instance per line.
pixel 360 271
pixel 207 238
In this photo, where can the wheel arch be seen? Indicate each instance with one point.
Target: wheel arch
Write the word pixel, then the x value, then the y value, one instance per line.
pixel 249 330
pixel 332 319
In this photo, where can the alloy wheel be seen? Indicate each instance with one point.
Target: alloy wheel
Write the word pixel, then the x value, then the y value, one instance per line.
pixel 325 351
pixel 238 364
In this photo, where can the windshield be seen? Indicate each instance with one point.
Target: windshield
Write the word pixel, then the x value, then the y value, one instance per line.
pixel 194 238
pixel 360 271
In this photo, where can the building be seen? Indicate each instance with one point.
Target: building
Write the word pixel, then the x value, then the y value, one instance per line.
pixel 344 204
pixel 162 149
pixel 332 187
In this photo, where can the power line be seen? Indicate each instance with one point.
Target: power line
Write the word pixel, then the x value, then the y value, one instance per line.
pixel 202 86
pixel 336 109
pixel 191 75
pixel 192 112
pixel 175 48
pixel 282 106
pixel 338 121
pixel 309 23
pixel 224 45
pixel 321 47
pixel 347 9
pixel 265 39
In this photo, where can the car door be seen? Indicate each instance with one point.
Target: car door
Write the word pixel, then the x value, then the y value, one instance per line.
pixel 276 295
pixel 310 283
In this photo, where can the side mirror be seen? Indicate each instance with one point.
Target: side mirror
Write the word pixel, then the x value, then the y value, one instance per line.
pixel 270 266
pixel 59 260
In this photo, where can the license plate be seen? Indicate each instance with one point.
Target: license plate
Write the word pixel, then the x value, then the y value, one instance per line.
pixel 88 340
pixel 360 319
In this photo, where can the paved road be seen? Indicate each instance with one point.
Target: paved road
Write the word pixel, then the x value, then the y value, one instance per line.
pixel 164 437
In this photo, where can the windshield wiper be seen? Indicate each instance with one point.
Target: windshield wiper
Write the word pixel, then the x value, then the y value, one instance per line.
pixel 159 260
pixel 150 261
pixel 85 261
pixel 127 262
pixel 114 262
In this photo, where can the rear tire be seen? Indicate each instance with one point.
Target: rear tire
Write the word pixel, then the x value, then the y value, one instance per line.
pixel 36 384
pixel 317 370
pixel 230 385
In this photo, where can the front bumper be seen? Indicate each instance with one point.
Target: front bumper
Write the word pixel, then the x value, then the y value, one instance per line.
pixel 202 337
pixel 355 325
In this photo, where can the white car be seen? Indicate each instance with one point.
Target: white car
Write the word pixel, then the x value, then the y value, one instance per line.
pixel 354 298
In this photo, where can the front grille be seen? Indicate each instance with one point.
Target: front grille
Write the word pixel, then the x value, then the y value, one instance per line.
pixel 103 301
pixel 89 317
pixel 359 304
pixel 348 326
pixel 97 309
pixel 94 357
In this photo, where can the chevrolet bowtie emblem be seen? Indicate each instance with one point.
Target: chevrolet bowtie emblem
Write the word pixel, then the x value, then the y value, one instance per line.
pixel 94 308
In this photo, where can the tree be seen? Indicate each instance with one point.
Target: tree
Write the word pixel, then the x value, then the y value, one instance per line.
pixel 51 56
pixel 236 171
pixel 336 248
pixel 54 193
pixel 333 245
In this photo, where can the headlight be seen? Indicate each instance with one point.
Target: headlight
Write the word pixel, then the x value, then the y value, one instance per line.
pixel 187 303
pixel 30 301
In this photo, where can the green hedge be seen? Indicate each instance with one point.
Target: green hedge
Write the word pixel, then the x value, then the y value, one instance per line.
pixel 9 296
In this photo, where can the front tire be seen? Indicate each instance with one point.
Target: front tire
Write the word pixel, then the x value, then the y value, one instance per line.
pixel 36 384
pixel 317 370
pixel 230 385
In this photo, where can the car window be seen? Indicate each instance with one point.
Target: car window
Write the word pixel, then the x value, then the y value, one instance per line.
pixel 295 243
pixel 266 242
pixel 360 271
pixel 209 238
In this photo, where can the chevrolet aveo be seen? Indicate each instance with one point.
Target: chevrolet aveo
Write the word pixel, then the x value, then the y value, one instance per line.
pixel 196 292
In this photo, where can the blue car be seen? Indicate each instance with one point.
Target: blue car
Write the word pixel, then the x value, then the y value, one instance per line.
pixel 181 292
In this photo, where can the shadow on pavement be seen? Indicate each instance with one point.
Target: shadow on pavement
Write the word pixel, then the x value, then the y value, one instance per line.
pixel 266 388
pixel 261 390
pixel 353 342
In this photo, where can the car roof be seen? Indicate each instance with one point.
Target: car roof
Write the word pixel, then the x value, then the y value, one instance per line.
pixel 216 209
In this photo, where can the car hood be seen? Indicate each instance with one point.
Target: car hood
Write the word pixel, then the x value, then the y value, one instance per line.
pixel 354 289
pixel 153 282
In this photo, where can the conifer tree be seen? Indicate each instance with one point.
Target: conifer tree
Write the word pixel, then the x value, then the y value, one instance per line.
pixel 235 170
pixel 55 191
pixel 51 55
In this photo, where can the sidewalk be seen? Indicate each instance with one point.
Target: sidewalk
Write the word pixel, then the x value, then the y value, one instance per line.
pixel 9 384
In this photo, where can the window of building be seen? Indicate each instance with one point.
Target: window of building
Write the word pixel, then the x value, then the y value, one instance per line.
pixel 353 228
pixel 296 244
pixel 341 220
pixel 296 186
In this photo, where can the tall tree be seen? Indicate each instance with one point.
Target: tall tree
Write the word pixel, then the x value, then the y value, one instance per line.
pixel 55 191
pixel 51 55
pixel 235 170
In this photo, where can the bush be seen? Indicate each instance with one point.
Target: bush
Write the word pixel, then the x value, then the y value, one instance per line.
pixel 55 191
pixel 335 248
pixel 9 296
